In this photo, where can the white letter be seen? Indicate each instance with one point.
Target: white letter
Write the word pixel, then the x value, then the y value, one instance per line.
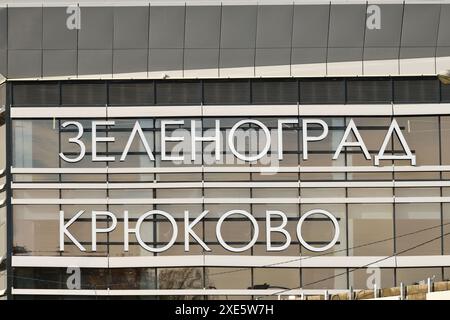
pixel 358 143
pixel 408 154
pixel 63 230
pixel 307 138
pixel 137 129
pixel 280 228
pixel 280 135
pixel 215 139
pixel 164 139
pixel 373 17
pixel 336 230
pixel 244 157
pixel 95 139
pixel 137 231
pixel 126 231
pixel 255 230
pixel 75 140
pixel 188 230
pixel 102 230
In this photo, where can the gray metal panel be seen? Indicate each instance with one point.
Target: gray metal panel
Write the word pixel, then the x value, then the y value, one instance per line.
pixel 202 26
pixel 24 63
pixel 167 27
pixel 390 29
pixel 237 58
pixel 383 53
pixel 309 55
pixel 444 26
pixel 443 52
pixel 310 26
pixel 420 24
pixel 59 63
pixel 56 34
pixel 238 28
pixel 131 27
pixel 25 28
pixel 96 28
pixel 130 61
pixel 92 62
pixel 165 59
pixel 3 28
pixel 272 57
pixel 3 68
pixel 417 52
pixel 347 24
pixel 344 54
pixel 274 26
pixel 201 59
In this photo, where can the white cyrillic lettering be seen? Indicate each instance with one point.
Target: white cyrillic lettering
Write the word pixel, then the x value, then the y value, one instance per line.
pixel 219 228
pixel 188 230
pixel 280 229
pixel 244 157
pixel 75 140
pixel 215 139
pixel 164 156
pixel 306 138
pixel 96 139
pixel 137 129
pixel 137 231
pixel 336 230
pixel 63 230
pixel 280 135
pixel 358 143
pixel 408 154
pixel 96 230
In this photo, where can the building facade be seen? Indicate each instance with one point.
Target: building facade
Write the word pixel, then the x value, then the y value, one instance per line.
pixel 210 150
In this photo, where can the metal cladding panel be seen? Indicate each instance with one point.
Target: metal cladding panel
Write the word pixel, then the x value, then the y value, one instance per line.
pixel 131 27
pixel 202 27
pixel 57 62
pixel 420 25
pixel 346 27
pixel 97 28
pixel 310 29
pixel 238 27
pixel 56 35
pixel 152 40
pixel 389 33
pixel 3 28
pixel 25 28
pixel 274 26
pixel 444 26
pixel 167 27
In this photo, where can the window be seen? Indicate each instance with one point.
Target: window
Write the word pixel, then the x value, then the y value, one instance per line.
pixel 131 93
pixel 35 94
pixel 407 90
pixel 274 91
pixel 226 92
pixel 369 91
pixel 178 92
pixel 322 91
pixel 84 94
